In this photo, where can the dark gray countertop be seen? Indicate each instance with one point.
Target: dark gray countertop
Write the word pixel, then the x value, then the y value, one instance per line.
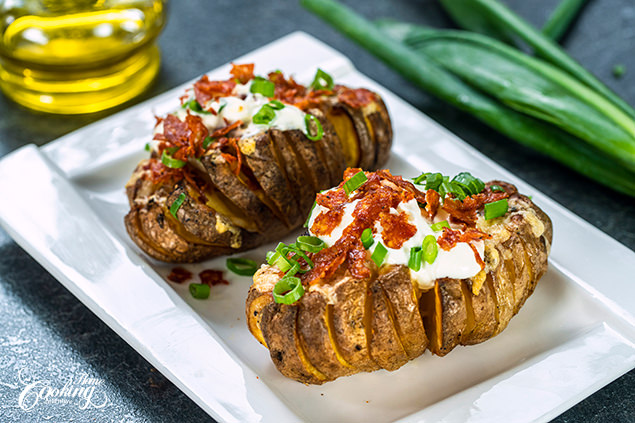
pixel 47 332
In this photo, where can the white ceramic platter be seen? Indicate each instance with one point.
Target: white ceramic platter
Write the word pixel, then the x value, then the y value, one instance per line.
pixel 574 335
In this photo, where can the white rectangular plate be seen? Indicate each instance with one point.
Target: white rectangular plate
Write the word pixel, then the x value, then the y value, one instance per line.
pixel 67 202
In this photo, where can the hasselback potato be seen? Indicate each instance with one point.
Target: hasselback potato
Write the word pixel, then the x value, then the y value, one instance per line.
pixel 240 162
pixel 392 268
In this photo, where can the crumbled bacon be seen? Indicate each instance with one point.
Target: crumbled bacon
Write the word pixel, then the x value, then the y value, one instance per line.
pixel 212 277
pixel 179 275
pixel 449 238
pixel 433 201
pixel 159 173
pixel 206 90
pixel 356 98
pixel 243 73
pixel 186 135
pixel 466 211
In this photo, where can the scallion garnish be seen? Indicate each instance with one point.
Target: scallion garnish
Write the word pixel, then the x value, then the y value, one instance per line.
pixel 282 262
pixel 429 248
pixel 169 161
pixel 440 225
pixel 319 131
pixel 355 182
pixel 199 291
pixel 322 81
pixel 207 141
pixel 312 244
pixel 222 106
pixel 242 266
pixel 497 188
pixel 415 259
pixel 147 147
pixel 177 204
pixel 367 238
pixel 470 184
pixel 275 105
pixel 288 290
pixel 293 248
pixel 264 116
pixel 195 106
pixel 496 209
pixel 263 86
pixel 379 254
pixel 308 219
pixel 295 267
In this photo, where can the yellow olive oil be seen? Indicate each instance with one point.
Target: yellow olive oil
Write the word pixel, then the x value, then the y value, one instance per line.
pixel 78 56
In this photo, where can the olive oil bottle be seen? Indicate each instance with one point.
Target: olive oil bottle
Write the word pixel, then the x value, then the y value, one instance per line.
pixel 78 56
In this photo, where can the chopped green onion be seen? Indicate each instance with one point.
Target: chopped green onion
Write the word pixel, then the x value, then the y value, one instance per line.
pixel 469 183
pixel 495 209
pixel 262 86
pixel 220 109
pixel 312 244
pixel 166 159
pixel 147 147
pixel 430 249
pixel 177 204
pixel 415 259
pixel 195 106
pixel 440 225
pixel 459 191
pixel 275 105
pixel 367 238
pixel 497 188
pixel 295 268
pixel 295 249
pixel 308 219
pixel 379 254
pixel 419 180
pixel 433 181
pixel 207 141
pixel 242 266
pixel 264 116
pixel 355 182
pixel 271 257
pixel 282 263
pixel 199 291
pixel 318 127
pixel 322 81
pixel 288 290
pixel 619 71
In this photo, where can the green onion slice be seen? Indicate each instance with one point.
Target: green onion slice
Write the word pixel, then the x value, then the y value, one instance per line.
pixel 262 86
pixel 264 116
pixel 308 219
pixel 207 141
pixel 322 81
pixel 440 225
pixel 271 257
pixel 312 244
pixel 195 106
pixel 379 254
pixel 415 259
pixel 318 127
pixel 295 268
pixel 496 209
pixel 293 248
pixel 242 266
pixel 177 204
pixel 430 249
pixel 367 238
pixel 199 291
pixel 469 183
pixel 169 161
pixel 288 290
pixel 355 182
pixel 497 188
pixel 147 147
pixel 222 106
pixel 275 105
pixel 433 181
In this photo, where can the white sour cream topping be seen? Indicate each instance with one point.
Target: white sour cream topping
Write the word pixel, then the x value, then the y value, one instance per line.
pixel 235 108
pixel 458 263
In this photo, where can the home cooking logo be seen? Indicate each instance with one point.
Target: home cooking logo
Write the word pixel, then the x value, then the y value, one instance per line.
pixel 82 390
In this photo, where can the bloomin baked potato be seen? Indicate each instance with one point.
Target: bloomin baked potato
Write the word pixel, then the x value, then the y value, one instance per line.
pixel 390 270
pixel 240 162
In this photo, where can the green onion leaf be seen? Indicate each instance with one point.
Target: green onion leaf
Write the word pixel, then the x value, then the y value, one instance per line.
pixel 379 254
pixel 207 141
pixel 147 147
pixel 220 109
pixel 318 127
pixel 322 81
pixel 469 183
pixel 367 238
pixel 440 225
pixel 242 266
pixel 166 159
pixel 177 204
pixel 495 209
pixel 421 179
pixel 282 263
pixel 264 116
pixel 263 86
pixel 355 182
pixel 430 249
pixel 415 259
pixel 271 257
pixel 275 105
pixel 497 188
pixel 295 249
pixel 308 219
pixel 295 267
pixel 288 290
pixel 433 181
pixel 195 106
pixel 312 244
pixel 199 291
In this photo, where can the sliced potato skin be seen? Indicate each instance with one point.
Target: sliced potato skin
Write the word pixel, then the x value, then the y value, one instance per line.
pixel 348 325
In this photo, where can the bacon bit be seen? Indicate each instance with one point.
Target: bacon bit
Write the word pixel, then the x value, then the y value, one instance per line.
pixel 466 211
pixel 433 201
pixel 355 98
pixel 158 120
pixel 397 230
pixel 159 173
pixel 179 275
pixel 206 90
pixel 183 98
pixel 236 162
pixel 186 135
pixel 477 256
pixel 221 132
pixel 449 238
pixel 212 277
pixel 244 73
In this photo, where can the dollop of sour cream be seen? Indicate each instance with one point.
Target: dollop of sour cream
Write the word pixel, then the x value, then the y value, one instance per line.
pixel 457 263
pixel 243 105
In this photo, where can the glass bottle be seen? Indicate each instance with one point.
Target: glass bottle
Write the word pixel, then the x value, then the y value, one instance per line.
pixel 78 56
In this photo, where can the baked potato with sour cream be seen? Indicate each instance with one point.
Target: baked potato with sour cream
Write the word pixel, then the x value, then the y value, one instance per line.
pixel 362 311
pixel 240 162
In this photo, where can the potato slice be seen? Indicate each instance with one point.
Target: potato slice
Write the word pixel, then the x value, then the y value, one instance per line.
pixel 445 317
pixel 345 130
pixel 306 151
pixel 381 129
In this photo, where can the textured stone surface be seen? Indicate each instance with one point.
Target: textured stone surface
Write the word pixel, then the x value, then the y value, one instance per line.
pixel 47 332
